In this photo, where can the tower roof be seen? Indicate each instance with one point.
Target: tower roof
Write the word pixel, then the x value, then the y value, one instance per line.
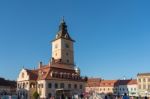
pixel 63 32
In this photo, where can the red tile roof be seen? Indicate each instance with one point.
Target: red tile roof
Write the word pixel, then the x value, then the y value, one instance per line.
pixel 127 82
pixel 44 72
pixel 109 83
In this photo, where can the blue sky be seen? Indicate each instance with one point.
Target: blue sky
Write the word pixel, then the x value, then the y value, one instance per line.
pixel 112 36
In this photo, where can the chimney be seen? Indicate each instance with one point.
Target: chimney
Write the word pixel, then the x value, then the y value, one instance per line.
pixel 40 65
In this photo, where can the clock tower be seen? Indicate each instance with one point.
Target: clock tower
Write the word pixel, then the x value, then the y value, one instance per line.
pixel 62 46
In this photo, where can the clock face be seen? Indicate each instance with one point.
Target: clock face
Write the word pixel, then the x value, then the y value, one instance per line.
pixel 66 45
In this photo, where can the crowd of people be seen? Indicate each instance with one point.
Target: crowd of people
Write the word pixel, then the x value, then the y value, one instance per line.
pixel 125 96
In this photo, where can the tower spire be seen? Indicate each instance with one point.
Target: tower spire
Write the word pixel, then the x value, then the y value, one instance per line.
pixel 63 32
pixel 63 19
pixel 62 46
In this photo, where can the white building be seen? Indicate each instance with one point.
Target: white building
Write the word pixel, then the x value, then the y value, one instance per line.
pixel 60 77
pixel 128 86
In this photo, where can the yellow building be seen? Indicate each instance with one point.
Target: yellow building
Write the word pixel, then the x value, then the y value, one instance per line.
pixel 59 78
pixel 143 80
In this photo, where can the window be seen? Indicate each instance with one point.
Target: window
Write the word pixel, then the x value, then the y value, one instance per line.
pixel 56 85
pixel 62 85
pixel 69 85
pixel 139 80
pixel 127 89
pixel 144 80
pixel 75 86
pixel 30 85
pixel 22 75
pixel 144 86
pixel 66 45
pixel 134 89
pixel 67 61
pixel 49 85
pixel 41 85
pixel 123 89
pixel 23 85
pixel 81 87
pixel 38 85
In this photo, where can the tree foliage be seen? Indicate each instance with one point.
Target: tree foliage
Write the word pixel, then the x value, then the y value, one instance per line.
pixel 35 95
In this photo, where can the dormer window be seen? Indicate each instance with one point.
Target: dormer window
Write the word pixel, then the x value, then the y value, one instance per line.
pixel 22 75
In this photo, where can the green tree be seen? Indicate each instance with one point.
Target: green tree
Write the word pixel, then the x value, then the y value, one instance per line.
pixel 35 95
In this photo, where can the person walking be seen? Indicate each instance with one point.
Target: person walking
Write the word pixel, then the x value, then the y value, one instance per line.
pixel 145 97
pixel 125 96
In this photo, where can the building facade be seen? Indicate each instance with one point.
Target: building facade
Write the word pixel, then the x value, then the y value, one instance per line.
pixel 143 80
pixel 59 78
pixel 127 86
pixel 112 87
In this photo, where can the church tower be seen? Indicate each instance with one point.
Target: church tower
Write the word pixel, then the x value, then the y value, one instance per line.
pixel 62 46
